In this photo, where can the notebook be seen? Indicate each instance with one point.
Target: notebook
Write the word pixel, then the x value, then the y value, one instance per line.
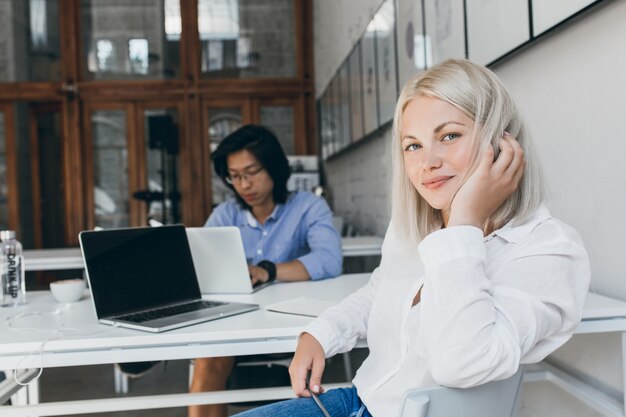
pixel 220 260
pixel 144 278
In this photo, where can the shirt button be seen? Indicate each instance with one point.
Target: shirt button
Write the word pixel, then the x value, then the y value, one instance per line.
pixel 264 233
pixel 259 251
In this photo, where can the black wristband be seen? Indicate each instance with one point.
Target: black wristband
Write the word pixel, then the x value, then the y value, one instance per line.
pixel 270 267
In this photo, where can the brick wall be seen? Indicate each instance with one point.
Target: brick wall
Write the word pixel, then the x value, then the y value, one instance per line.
pixel 358 183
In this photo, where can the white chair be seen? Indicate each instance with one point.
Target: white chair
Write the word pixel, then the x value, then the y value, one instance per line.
pixel 494 399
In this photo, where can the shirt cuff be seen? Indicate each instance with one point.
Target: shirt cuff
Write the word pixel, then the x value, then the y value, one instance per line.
pixel 316 268
pixel 325 334
pixel 446 245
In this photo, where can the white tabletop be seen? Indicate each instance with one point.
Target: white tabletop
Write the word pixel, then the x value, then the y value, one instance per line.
pixel 53 259
pixel 70 334
pixel 361 245
pixel 71 258
pixel 600 307
pixel 602 314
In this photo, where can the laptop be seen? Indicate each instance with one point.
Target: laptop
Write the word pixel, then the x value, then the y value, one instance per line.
pixel 144 278
pixel 220 260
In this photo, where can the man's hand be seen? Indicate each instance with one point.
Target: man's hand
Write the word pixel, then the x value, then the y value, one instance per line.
pixel 258 275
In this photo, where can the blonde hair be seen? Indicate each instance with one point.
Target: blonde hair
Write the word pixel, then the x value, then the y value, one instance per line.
pixel 479 93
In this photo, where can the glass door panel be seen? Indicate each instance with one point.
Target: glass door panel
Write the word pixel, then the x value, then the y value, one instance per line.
pixel 280 120
pixel 49 193
pixel 26 233
pixel 130 40
pixel 40 180
pixel 222 122
pixel 247 39
pixel 29 40
pixel 110 168
pixel 162 192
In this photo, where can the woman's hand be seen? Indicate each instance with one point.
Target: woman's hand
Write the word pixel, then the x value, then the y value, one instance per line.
pixel 309 356
pixel 489 185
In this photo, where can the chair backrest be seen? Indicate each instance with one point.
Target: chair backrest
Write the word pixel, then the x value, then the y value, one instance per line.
pixel 493 399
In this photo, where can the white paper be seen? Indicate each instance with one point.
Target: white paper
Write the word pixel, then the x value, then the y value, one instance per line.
pixel 301 306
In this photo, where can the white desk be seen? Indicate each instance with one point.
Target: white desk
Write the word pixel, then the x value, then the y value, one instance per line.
pixel 53 259
pixel 71 258
pixel 87 342
pixel 601 315
pixel 75 338
pixel 361 245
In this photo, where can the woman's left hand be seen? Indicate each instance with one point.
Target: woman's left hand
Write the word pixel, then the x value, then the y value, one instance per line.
pixel 489 185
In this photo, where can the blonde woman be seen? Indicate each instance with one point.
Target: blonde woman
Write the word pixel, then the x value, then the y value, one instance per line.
pixel 476 276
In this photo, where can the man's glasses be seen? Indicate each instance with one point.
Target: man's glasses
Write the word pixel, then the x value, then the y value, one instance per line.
pixel 248 176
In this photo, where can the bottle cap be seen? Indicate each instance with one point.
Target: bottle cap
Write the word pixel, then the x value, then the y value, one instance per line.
pixel 7 234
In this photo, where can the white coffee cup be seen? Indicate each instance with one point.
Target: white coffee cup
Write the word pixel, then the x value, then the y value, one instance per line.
pixel 67 290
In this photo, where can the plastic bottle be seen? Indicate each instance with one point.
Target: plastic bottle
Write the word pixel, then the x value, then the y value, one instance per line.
pixel 12 272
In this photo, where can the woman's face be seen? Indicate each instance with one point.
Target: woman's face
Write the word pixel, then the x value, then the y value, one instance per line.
pixel 436 140
pixel 250 180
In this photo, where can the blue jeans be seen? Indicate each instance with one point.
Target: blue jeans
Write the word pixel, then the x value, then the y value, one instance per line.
pixel 341 402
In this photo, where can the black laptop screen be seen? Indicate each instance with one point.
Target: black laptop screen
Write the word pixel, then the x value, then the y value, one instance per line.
pixel 138 268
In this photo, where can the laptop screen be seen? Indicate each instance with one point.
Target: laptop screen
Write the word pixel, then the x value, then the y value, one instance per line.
pixel 138 268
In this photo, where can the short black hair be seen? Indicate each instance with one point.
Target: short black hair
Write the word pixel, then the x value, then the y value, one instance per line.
pixel 265 147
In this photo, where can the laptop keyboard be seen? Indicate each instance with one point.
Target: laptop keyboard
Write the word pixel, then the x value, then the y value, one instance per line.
pixel 169 311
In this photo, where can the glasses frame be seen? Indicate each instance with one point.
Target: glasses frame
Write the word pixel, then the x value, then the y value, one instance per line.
pixel 249 176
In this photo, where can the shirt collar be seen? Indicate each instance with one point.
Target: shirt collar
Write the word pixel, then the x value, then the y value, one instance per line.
pixel 253 222
pixel 514 233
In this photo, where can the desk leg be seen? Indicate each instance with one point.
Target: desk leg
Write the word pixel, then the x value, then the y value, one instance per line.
pixel 33 392
pixel 192 367
pixel 120 380
pixel 20 397
pixel 347 366
pixel 624 369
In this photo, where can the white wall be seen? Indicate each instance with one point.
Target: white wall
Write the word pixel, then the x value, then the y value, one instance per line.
pixel 360 181
pixel 337 26
pixel 572 91
pixel 571 87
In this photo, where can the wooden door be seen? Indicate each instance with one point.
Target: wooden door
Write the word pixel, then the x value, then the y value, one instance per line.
pixel 160 136
pixel 8 170
pixel 47 174
pixel 132 164
pixel 110 168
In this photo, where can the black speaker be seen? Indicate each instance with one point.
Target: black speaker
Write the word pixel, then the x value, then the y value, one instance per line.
pixel 162 133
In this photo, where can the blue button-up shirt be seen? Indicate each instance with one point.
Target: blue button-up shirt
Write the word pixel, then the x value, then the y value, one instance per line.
pixel 301 229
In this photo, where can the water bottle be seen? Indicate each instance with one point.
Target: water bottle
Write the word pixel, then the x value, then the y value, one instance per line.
pixel 13 291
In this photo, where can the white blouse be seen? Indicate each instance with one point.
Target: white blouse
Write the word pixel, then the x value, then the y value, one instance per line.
pixel 487 305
